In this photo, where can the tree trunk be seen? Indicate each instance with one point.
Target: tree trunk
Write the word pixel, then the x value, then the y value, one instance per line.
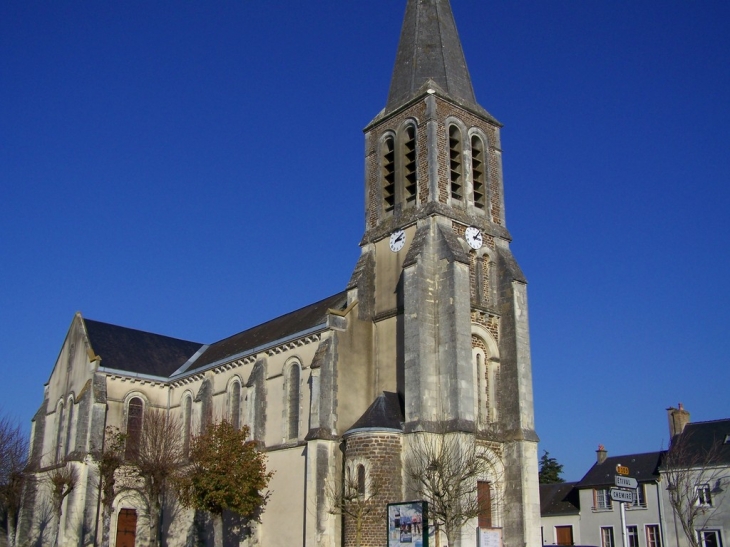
pixel 11 529
pixel 106 525
pixel 154 524
pixel 217 529
pixel 57 531
pixel 358 531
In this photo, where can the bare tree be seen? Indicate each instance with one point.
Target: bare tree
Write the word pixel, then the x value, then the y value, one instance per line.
pixel 13 459
pixel 355 499
pixel 62 480
pixel 694 472
pixel 110 461
pixel 157 456
pixel 445 469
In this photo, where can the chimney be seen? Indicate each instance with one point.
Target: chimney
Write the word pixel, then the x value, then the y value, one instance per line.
pixel 601 454
pixel 678 418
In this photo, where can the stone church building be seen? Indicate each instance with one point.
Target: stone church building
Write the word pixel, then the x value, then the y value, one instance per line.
pixel 429 337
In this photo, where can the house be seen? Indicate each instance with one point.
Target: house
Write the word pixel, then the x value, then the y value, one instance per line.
pixel 429 339
pixel 560 514
pixel 679 489
pixel 695 476
pixel 583 513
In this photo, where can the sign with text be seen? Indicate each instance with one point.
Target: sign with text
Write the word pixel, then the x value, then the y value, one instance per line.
pixel 490 537
pixel 618 494
pixel 408 524
pixel 626 482
pixel 622 470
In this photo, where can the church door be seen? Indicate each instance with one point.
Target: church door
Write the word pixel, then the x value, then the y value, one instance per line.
pixel 126 528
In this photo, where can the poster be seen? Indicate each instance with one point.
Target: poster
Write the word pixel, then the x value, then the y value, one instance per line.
pixel 408 524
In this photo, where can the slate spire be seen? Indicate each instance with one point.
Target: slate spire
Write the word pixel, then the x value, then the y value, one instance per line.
pixel 429 49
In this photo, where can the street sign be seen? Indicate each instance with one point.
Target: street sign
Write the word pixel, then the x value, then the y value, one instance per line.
pixel 622 470
pixel 618 494
pixel 626 482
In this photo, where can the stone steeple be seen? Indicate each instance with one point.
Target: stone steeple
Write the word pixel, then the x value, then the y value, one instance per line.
pixel 430 50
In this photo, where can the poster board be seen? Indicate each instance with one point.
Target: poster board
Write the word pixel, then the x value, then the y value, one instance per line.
pixel 490 537
pixel 408 524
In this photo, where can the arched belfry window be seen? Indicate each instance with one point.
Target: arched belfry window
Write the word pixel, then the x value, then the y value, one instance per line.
pixel 234 404
pixel 456 165
pixel 135 414
pixel 388 173
pixel 293 402
pixel 410 181
pixel 479 173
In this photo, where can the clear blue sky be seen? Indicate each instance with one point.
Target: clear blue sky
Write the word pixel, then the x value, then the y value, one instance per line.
pixel 195 168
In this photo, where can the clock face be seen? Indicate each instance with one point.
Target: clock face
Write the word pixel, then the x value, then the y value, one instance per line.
pixel 474 237
pixel 397 240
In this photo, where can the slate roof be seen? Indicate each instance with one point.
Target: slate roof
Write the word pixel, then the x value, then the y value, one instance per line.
pixel 642 467
pixel 276 329
pixel 430 49
pixel 386 412
pixel 559 499
pixel 137 351
pixel 699 438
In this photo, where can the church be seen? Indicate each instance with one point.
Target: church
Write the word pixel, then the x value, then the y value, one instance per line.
pixel 428 339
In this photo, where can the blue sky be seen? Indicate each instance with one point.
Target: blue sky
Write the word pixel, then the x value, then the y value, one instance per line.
pixel 194 168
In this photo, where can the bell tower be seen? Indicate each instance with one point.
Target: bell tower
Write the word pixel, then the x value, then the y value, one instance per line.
pixel 436 278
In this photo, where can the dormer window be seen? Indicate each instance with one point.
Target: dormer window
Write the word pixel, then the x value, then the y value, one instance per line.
pixel 456 167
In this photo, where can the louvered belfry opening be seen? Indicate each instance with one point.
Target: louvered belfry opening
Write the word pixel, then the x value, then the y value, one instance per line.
pixel 478 172
pixel 388 164
pixel 409 165
pixel 456 168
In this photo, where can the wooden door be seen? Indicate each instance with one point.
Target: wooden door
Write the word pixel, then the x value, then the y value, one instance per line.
pixel 564 535
pixel 484 498
pixel 126 528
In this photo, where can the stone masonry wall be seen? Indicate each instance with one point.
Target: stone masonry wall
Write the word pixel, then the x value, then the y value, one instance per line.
pixel 380 453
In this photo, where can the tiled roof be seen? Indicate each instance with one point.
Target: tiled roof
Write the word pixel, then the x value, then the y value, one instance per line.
pixel 642 467
pixel 137 351
pixel 276 329
pixel 559 499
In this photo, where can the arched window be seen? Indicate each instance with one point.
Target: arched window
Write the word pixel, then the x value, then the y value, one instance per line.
pixel 410 181
pixel 187 422
pixel 234 404
pixel 478 173
pixel 456 167
pixel 293 402
pixel 135 413
pixel 482 385
pixel 361 481
pixel 69 447
pixel 388 174
pixel 60 452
